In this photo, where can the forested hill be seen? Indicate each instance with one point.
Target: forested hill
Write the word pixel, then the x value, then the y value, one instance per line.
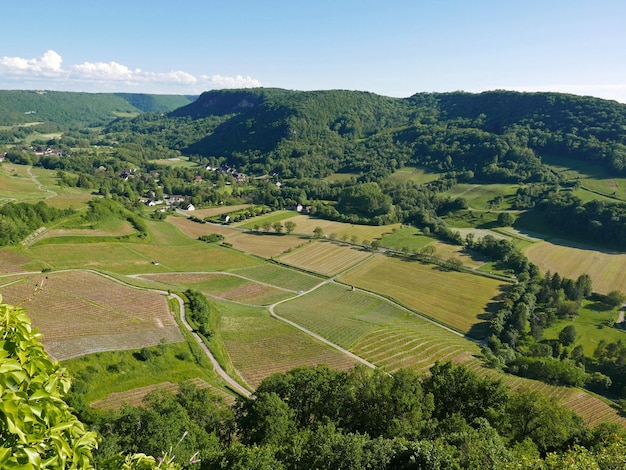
pixel 497 134
pixel 80 109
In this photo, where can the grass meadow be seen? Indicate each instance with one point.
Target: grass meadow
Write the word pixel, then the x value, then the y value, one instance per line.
pixel 419 175
pixel 454 298
pixel 18 185
pixel 405 237
pixel 593 324
pixel 590 175
pixel 571 260
pixel 112 378
pixel 483 196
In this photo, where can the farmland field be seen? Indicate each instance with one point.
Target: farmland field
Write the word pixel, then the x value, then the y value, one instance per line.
pixel 388 336
pixel 80 313
pixel 264 245
pixel 571 260
pixel 259 345
pixel 280 276
pixel 325 257
pixel 13 260
pixel 453 298
pixel 131 258
pixel 224 286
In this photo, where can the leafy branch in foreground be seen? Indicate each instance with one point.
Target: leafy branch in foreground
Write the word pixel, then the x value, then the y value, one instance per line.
pixel 37 427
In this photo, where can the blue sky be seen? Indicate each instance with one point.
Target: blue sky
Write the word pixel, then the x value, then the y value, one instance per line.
pixel 390 47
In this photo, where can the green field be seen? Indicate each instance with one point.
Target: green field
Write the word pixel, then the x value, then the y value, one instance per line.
pixel 118 371
pixel 453 298
pixel 278 216
pixel 406 237
pixel 259 345
pixel 484 196
pixel 419 175
pixel 589 175
pixel 280 276
pixel 594 323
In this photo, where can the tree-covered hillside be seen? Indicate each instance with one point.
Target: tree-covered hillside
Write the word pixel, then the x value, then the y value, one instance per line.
pixel 79 109
pixel 499 135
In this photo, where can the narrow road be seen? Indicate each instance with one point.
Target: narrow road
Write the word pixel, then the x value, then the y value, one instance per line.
pixel 221 372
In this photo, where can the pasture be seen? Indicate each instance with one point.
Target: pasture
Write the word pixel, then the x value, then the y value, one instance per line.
pixel 405 238
pixel 325 257
pixel 18 185
pixel 571 260
pixel 341 177
pixel 182 162
pixel 114 377
pixel 593 324
pixel 81 313
pixel 484 196
pixel 419 175
pixel 110 228
pixel 453 298
pixel 590 175
pixel 259 345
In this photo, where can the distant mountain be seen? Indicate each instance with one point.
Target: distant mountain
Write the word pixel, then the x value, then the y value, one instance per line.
pixel 84 109
pixel 495 134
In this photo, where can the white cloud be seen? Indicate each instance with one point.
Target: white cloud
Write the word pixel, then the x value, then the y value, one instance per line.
pixel 218 81
pixel 47 72
pixel 49 61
